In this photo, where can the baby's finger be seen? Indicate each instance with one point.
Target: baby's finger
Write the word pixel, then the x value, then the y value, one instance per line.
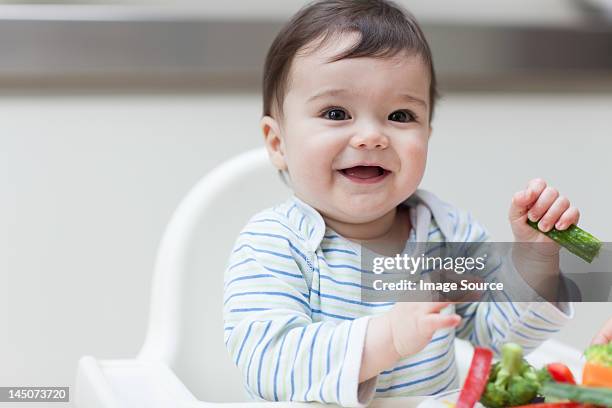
pixel 431 323
pixel 520 203
pixel 536 185
pixel 554 213
pixel 569 217
pixel 543 203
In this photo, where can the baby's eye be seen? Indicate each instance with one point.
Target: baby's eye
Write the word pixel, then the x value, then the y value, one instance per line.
pixel 335 114
pixel 402 116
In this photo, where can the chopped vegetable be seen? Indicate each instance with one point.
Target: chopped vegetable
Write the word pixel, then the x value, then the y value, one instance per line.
pixel 591 395
pixel 597 371
pixel 600 354
pixel 476 379
pixel 596 375
pixel 512 381
pixel 560 373
pixel 574 239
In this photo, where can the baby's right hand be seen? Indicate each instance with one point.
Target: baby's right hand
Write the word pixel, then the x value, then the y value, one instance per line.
pixel 413 324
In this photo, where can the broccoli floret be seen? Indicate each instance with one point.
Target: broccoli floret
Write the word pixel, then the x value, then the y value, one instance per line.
pixel 599 354
pixel 512 381
pixel 494 397
pixel 521 390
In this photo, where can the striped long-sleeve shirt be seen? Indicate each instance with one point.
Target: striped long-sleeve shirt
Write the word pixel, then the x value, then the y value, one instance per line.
pixel 295 323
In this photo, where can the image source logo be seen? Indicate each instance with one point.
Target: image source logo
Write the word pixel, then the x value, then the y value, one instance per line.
pixel 483 271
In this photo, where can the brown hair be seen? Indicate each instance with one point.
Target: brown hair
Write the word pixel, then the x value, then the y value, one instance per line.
pixel 385 28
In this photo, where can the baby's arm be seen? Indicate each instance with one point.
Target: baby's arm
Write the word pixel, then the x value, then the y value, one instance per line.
pixel 501 318
pixel 269 332
pixel 403 331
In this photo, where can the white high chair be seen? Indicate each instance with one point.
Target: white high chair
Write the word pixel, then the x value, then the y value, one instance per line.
pixel 183 362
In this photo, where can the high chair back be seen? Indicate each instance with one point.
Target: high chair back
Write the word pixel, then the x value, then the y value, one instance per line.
pixel 186 324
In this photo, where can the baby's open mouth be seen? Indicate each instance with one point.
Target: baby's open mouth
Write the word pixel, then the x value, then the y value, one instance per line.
pixel 365 174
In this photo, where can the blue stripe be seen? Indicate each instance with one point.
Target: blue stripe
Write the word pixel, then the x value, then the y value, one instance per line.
pixel 331 236
pixel 293 275
pixel 543 318
pixel 301 221
pixel 240 263
pixel 297 350
pixel 420 362
pixel 263 275
pixel 526 337
pixel 344 283
pixel 314 339
pixel 247 277
pixel 291 209
pixel 265 220
pixel 539 328
pixel 466 323
pixel 329 343
pixel 467 235
pixel 278 358
pixel 447 384
pixel 433 231
pixel 332 315
pixel 482 236
pixel 246 336
pixel 265 251
pixel 355 302
pixel 435 339
pixel 248 371
pixel 488 321
pixel 511 304
pixel 501 335
pixel 287 240
pixel 346 251
pixel 420 380
pixel 250 309
pixel 348 336
pixel 501 311
pixel 338 266
pixel 271 294
pixel 474 336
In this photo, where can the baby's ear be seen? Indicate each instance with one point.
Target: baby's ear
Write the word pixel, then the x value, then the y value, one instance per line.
pixel 274 142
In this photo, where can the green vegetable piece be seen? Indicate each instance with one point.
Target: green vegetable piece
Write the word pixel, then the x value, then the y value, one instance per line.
pixel 512 381
pixel 577 393
pixel 521 390
pixel 574 239
pixel 494 397
pixel 599 354
pixel 512 358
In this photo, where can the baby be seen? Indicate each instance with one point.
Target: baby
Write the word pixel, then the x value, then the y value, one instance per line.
pixel 349 94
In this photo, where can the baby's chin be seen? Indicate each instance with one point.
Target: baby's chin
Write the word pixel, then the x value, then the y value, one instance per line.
pixel 363 209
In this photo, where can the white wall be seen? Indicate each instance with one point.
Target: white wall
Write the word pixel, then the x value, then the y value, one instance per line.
pixel 88 182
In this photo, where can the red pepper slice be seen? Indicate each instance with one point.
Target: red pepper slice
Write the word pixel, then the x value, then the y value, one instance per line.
pixel 560 373
pixel 477 377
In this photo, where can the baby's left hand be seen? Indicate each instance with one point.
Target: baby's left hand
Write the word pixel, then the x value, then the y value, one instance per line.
pixel 540 203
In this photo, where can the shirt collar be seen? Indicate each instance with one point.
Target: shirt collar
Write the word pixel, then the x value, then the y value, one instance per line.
pixel 311 225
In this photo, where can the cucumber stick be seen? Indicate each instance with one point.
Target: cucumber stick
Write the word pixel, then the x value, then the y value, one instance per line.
pixel 574 239
pixel 590 395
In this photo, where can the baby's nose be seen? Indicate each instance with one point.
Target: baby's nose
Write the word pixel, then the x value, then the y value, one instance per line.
pixel 370 140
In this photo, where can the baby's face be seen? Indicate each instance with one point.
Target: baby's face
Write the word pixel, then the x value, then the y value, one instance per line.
pixel 355 132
